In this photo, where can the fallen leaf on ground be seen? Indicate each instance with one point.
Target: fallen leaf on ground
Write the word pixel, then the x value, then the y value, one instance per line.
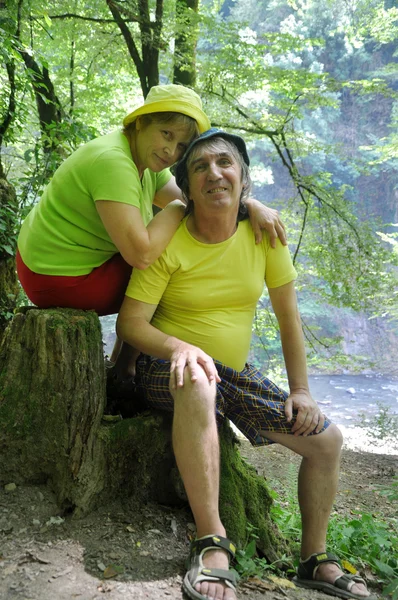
pixel 282 582
pixel 112 571
pixel 256 582
pixel 348 567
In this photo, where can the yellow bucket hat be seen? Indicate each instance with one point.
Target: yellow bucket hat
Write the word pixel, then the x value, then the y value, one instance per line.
pixel 172 98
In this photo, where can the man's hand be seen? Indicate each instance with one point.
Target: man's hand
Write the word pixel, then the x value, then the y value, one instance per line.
pixel 193 358
pixel 263 217
pixel 309 416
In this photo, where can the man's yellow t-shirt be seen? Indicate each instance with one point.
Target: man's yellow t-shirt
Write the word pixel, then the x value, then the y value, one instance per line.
pixel 207 293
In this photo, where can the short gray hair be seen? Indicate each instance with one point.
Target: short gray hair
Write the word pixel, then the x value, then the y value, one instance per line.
pixel 218 145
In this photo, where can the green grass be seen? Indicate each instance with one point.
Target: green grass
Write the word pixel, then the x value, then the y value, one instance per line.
pixel 366 541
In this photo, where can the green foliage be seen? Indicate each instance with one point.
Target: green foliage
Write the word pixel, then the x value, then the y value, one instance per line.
pixel 383 427
pixel 368 539
pixel 373 541
pixel 8 223
pixel 248 564
pixel 390 492
pixel 38 165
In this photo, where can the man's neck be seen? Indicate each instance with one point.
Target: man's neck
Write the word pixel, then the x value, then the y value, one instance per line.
pixel 211 229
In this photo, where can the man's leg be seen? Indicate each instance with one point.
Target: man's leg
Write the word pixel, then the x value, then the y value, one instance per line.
pixel 317 486
pixel 196 448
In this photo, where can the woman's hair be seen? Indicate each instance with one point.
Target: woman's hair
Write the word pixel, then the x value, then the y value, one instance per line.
pixel 166 117
pixel 219 145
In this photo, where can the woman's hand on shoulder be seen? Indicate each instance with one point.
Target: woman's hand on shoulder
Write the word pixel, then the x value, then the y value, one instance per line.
pixel 265 218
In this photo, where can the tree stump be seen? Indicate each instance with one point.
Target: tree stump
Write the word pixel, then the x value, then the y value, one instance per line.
pixel 52 400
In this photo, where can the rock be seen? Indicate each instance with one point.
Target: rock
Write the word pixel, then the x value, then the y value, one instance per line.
pixel 10 487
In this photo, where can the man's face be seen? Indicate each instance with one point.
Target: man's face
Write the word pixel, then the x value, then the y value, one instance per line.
pixel 215 179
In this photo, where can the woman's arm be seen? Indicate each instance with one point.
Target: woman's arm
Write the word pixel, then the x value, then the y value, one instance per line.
pixel 140 246
pixel 167 193
pixel 263 217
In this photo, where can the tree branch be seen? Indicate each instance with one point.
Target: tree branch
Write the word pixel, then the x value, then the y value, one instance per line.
pixel 286 157
pixel 93 19
pixel 131 46
pixel 10 111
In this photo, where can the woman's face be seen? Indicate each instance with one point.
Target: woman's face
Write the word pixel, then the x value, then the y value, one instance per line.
pixel 159 145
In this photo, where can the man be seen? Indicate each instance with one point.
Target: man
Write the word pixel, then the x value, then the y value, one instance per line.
pixel 191 315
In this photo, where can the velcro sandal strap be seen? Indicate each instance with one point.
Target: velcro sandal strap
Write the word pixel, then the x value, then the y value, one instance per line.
pixel 228 577
pixel 307 568
pixel 212 541
pixel 347 582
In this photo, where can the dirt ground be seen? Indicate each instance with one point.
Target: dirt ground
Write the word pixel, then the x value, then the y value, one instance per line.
pixel 134 553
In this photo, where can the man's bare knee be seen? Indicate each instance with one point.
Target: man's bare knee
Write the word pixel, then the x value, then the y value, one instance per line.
pixel 200 388
pixel 327 445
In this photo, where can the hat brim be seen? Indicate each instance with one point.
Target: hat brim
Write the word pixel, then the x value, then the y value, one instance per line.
pixel 239 142
pixel 176 106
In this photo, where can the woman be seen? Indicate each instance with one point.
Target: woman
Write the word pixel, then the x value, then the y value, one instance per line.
pixel 94 221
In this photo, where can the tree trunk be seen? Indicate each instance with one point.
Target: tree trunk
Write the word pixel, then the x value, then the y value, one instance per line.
pixel 52 400
pixel 186 37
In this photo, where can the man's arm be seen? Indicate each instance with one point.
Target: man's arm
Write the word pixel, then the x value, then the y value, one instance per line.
pixel 309 416
pixel 134 327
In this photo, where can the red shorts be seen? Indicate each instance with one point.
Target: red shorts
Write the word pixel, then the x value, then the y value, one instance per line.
pixel 101 290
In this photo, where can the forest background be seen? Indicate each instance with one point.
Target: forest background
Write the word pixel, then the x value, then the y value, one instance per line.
pixel 312 86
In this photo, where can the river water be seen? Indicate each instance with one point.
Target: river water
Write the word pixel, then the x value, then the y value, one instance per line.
pixel 344 397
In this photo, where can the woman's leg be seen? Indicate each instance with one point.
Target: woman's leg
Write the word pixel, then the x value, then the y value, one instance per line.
pixel 101 290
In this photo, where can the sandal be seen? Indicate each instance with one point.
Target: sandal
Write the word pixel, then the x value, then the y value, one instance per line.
pixel 341 586
pixel 198 572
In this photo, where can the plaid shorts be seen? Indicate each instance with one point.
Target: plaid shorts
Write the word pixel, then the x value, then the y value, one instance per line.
pixel 251 401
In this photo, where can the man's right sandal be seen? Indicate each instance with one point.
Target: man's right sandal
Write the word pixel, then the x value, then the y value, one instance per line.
pixel 198 572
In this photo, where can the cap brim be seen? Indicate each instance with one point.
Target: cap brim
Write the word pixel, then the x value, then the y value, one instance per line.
pixel 208 134
pixel 176 106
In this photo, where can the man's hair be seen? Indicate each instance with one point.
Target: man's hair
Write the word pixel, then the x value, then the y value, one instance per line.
pixel 166 117
pixel 218 145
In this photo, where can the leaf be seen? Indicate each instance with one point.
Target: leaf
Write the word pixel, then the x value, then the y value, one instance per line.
pixel 47 19
pixel 256 582
pixel 392 589
pixel 28 155
pixel 384 568
pixel 282 582
pixel 250 549
pixel 8 249
pixel 112 571
pixel 348 567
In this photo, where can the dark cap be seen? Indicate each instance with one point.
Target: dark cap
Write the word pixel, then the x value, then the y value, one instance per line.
pixel 239 142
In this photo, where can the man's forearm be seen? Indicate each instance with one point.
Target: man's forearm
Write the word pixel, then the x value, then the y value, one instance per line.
pixel 144 337
pixel 294 352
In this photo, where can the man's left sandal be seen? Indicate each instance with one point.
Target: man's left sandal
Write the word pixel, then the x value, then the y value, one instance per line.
pixel 198 572
pixel 341 586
